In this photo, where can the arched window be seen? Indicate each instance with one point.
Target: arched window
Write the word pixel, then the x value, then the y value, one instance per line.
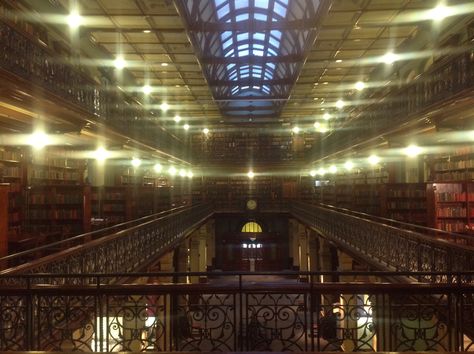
pixel 251 226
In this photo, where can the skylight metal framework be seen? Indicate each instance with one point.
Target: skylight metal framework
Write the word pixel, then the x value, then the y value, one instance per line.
pixel 251 51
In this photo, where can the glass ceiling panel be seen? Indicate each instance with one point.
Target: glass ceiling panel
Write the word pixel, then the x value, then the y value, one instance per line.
pixel 242 63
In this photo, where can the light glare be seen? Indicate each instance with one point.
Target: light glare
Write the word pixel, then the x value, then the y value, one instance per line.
pixel 164 106
pixel 340 104
pixel 147 89
pixel 186 127
pixel 38 140
pixel 295 130
pixel 205 131
pixel 119 63
pixel 136 162
pixel 172 170
pixel 74 20
pixel 374 159
pixel 177 118
pixel 359 85
pixel 412 150
pixel 250 174
pixel 312 173
pixel 158 168
pixel 101 154
pixel 390 58
pixel 348 165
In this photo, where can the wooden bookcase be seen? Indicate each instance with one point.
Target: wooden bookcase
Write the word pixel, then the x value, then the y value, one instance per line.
pixel 12 172
pixel 406 202
pixel 63 209
pixel 455 167
pixel 110 205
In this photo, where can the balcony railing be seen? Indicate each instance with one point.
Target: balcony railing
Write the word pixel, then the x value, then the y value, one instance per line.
pixel 126 250
pixel 239 312
pixel 386 246
pixel 442 82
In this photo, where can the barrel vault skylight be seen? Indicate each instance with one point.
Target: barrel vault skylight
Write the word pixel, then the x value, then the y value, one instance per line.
pixel 251 51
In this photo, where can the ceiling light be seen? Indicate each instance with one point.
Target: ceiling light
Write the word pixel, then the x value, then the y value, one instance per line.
pixel 348 165
pixel 340 103
pixel 359 85
pixel 339 61
pixel 333 169
pixel 317 125
pixel 147 89
pixel 312 173
pixel 119 63
pixel 146 31
pixel 164 106
pixel 136 162
pixel 101 154
pixel 182 172
pixel 412 150
pixel 38 140
pixel 374 159
pixel 440 12
pixel 74 20
pixel 164 64
pixel 323 129
pixel 172 171
pixel 190 174
pixel 250 174
pixel 186 127
pixel 321 171
pixel 295 130
pixel 158 168
pixel 390 58
pixel 177 118
pixel 205 131
pixel 325 83
pixel 326 116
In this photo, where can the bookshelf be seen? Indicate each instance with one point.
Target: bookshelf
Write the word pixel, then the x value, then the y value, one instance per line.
pixel 61 209
pixel 450 210
pixel 367 198
pixel 110 205
pixel 406 202
pixel 12 172
pixel 458 166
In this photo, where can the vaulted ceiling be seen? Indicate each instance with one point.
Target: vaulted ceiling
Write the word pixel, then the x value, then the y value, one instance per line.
pixel 265 66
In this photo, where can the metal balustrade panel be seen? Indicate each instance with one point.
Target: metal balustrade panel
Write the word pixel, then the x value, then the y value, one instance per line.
pixel 384 246
pixel 239 317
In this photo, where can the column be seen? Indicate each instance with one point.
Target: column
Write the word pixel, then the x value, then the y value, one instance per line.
pixel 294 241
pixel 211 244
pixel 325 261
pixel 194 257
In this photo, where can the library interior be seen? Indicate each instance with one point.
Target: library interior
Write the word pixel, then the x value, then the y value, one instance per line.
pixel 237 175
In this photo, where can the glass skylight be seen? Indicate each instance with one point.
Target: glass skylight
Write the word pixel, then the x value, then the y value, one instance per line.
pixel 245 44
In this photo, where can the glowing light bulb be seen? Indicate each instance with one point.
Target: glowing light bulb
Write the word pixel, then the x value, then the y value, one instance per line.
pixel 38 140
pixel 74 20
pixel 348 165
pixel 333 169
pixel 101 154
pixel 158 168
pixel 359 85
pixel 390 58
pixel 312 173
pixel 295 130
pixel 172 171
pixel 412 150
pixel 205 131
pixel 147 89
pixel 340 104
pixel 119 63
pixel 186 127
pixel 190 174
pixel 374 159
pixel 250 174
pixel 136 162
pixel 177 118
pixel 317 125
pixel 164 106
pixel 182 172
pixel 326 116
pixel 321 171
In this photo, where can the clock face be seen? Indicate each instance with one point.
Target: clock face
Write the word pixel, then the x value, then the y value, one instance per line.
pixel 251 204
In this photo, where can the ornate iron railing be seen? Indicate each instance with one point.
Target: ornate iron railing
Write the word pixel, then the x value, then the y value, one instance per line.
pixel 19 258
pixel 385 246
pixel 238 313
pixel 123 251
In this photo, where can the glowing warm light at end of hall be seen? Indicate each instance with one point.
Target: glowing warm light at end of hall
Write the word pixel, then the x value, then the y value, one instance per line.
pixel 374 159
pixel 136 162
pixel 250 174
pixel 38 140
pixel 412 150
pixel 158 168
pixel 349 165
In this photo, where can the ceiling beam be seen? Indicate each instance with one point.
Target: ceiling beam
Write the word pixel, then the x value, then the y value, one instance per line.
pixel 255 26
pixel 250 82
pixel 251 59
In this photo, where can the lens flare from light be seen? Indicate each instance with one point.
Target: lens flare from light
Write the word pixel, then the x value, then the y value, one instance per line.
pixel 349 165
pixel 136 162
pixel 250 174
pixel 374 159
pixel 158 168
pixel 38 140
pixel 412 150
